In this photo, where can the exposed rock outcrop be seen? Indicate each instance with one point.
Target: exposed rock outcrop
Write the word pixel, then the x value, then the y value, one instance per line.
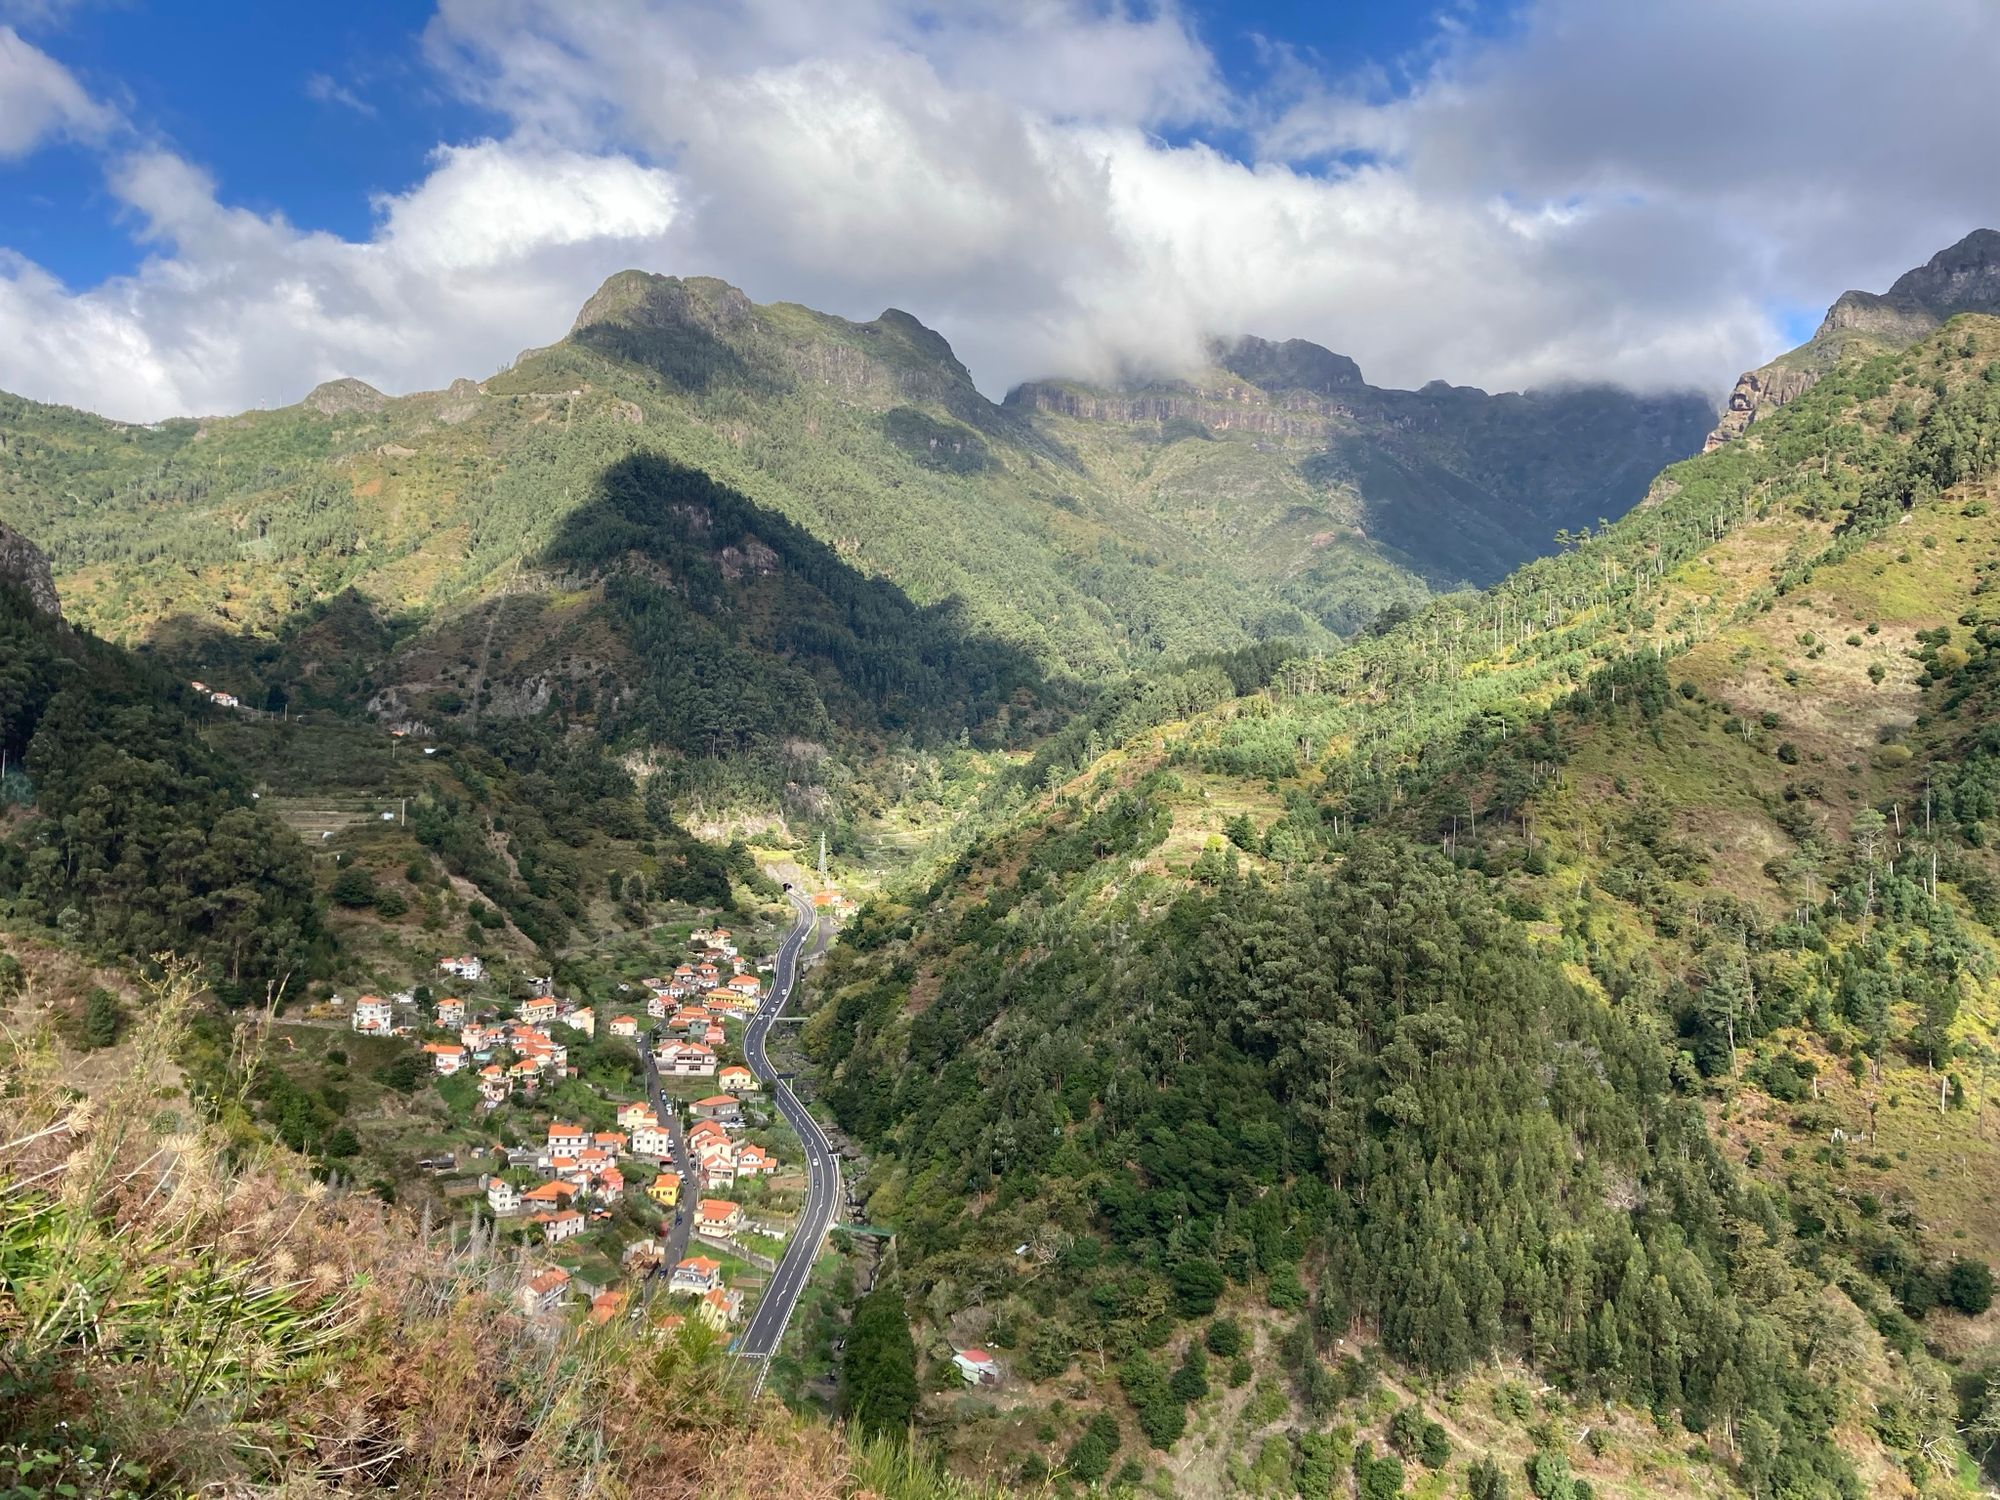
pixel 337 398
pixel 1961 279
pixel 23 565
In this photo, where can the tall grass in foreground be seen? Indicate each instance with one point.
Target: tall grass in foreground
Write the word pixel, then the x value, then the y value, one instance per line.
pixel 181 1315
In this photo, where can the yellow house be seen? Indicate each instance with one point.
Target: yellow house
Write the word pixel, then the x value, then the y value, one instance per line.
pixel 666 1189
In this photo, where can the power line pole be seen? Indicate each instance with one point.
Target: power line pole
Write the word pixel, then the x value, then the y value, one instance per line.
pixel 822 856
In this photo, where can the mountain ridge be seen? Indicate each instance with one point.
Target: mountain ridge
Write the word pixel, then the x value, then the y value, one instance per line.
pixel 1963 277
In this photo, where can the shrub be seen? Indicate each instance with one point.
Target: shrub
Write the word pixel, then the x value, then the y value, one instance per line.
pixel 354 887
pixel 1968 1287
pixel 1225 1337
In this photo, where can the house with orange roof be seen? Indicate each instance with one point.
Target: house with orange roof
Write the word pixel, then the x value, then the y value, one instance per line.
pixel 566 1137
pixel 611 1185
pixel 665 1189
pixel 754 1161
pixel 373 1014
pixel 747 986
pixel 706 976
pixel 539 1009
pixel 503 1198
pixel 724 1109
pixel 624 1026
pixel 634 1113
pixel 607 1305
pixel 737 1079
pixel 652 1139
pixel 714 1036
pixel 656 1007
pixel 720 1308
pixel 563 1224
pixel 612 1141
pixel 717 1216
pixel 446 1057
pixel 582 1019
pixel 549 1195
pixel 450 1014
pixel 544 1291
pixel 696 1276
pixel 493 1084
pixel 670 1324
pixel 465 966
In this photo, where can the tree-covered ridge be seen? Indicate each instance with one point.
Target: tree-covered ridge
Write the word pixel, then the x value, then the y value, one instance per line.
pixel 213 539
pixel 1619 963
pixel 124 830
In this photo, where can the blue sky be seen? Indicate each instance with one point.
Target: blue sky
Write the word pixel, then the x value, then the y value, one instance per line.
pixel 312 112
pixel 205 206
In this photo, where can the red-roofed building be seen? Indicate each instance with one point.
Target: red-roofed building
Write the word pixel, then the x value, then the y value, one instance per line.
pixel 977 1366
pixel 544 1291
pixel 718 1216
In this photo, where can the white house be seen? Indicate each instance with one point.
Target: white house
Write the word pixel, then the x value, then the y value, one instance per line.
pixel 544 1291
pixel 450 1014
pixel 977 1366
pixel 503 1197
pixel 582 1019
pixel 688 1060
pixel 737 1079
pixel 465 966
pixel 561 1225
pixel 568 1138
pixel 446 1057
pixel 624 1026
pixel 652 1139
pixel 697 1276
pixel 372 1013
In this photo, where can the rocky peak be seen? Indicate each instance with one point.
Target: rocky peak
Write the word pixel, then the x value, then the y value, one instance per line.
pixel 920 342
pixel 336 398
pixel 1294 365
pixel 23 565
pixel 644 301
pixel 1962 278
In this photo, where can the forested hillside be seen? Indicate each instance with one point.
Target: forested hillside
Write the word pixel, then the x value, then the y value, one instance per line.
pixel 120 828
pixel 1588 981
pixel 832 526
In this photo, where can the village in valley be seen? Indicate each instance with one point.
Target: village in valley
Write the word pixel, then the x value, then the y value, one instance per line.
pixel 594 1193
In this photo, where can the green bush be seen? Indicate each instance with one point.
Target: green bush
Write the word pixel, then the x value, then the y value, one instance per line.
pixel 1224 1337
pixel 354 887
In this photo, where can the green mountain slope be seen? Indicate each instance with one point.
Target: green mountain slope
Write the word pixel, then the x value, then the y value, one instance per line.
pixel 1284 453
pixel 1590 981
pixel 1041 546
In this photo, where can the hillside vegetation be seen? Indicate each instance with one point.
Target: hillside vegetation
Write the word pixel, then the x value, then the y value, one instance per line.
pixel 834 529
pixel 1593 973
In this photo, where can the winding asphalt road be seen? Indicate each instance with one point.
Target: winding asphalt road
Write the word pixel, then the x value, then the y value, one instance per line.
pixel 766 1329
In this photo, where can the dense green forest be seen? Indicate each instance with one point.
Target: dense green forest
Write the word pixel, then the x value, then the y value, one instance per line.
pixel 1413 991
pixel 140 839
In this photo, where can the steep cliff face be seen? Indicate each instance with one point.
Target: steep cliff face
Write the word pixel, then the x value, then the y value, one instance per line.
pixel 1964 278
pixel 22 564
pixel 1461 483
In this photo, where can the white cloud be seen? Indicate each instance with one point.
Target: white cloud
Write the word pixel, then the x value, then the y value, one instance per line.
pixel 1602 192
pixel 323 88
pixel 239 309
pixel 40 99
